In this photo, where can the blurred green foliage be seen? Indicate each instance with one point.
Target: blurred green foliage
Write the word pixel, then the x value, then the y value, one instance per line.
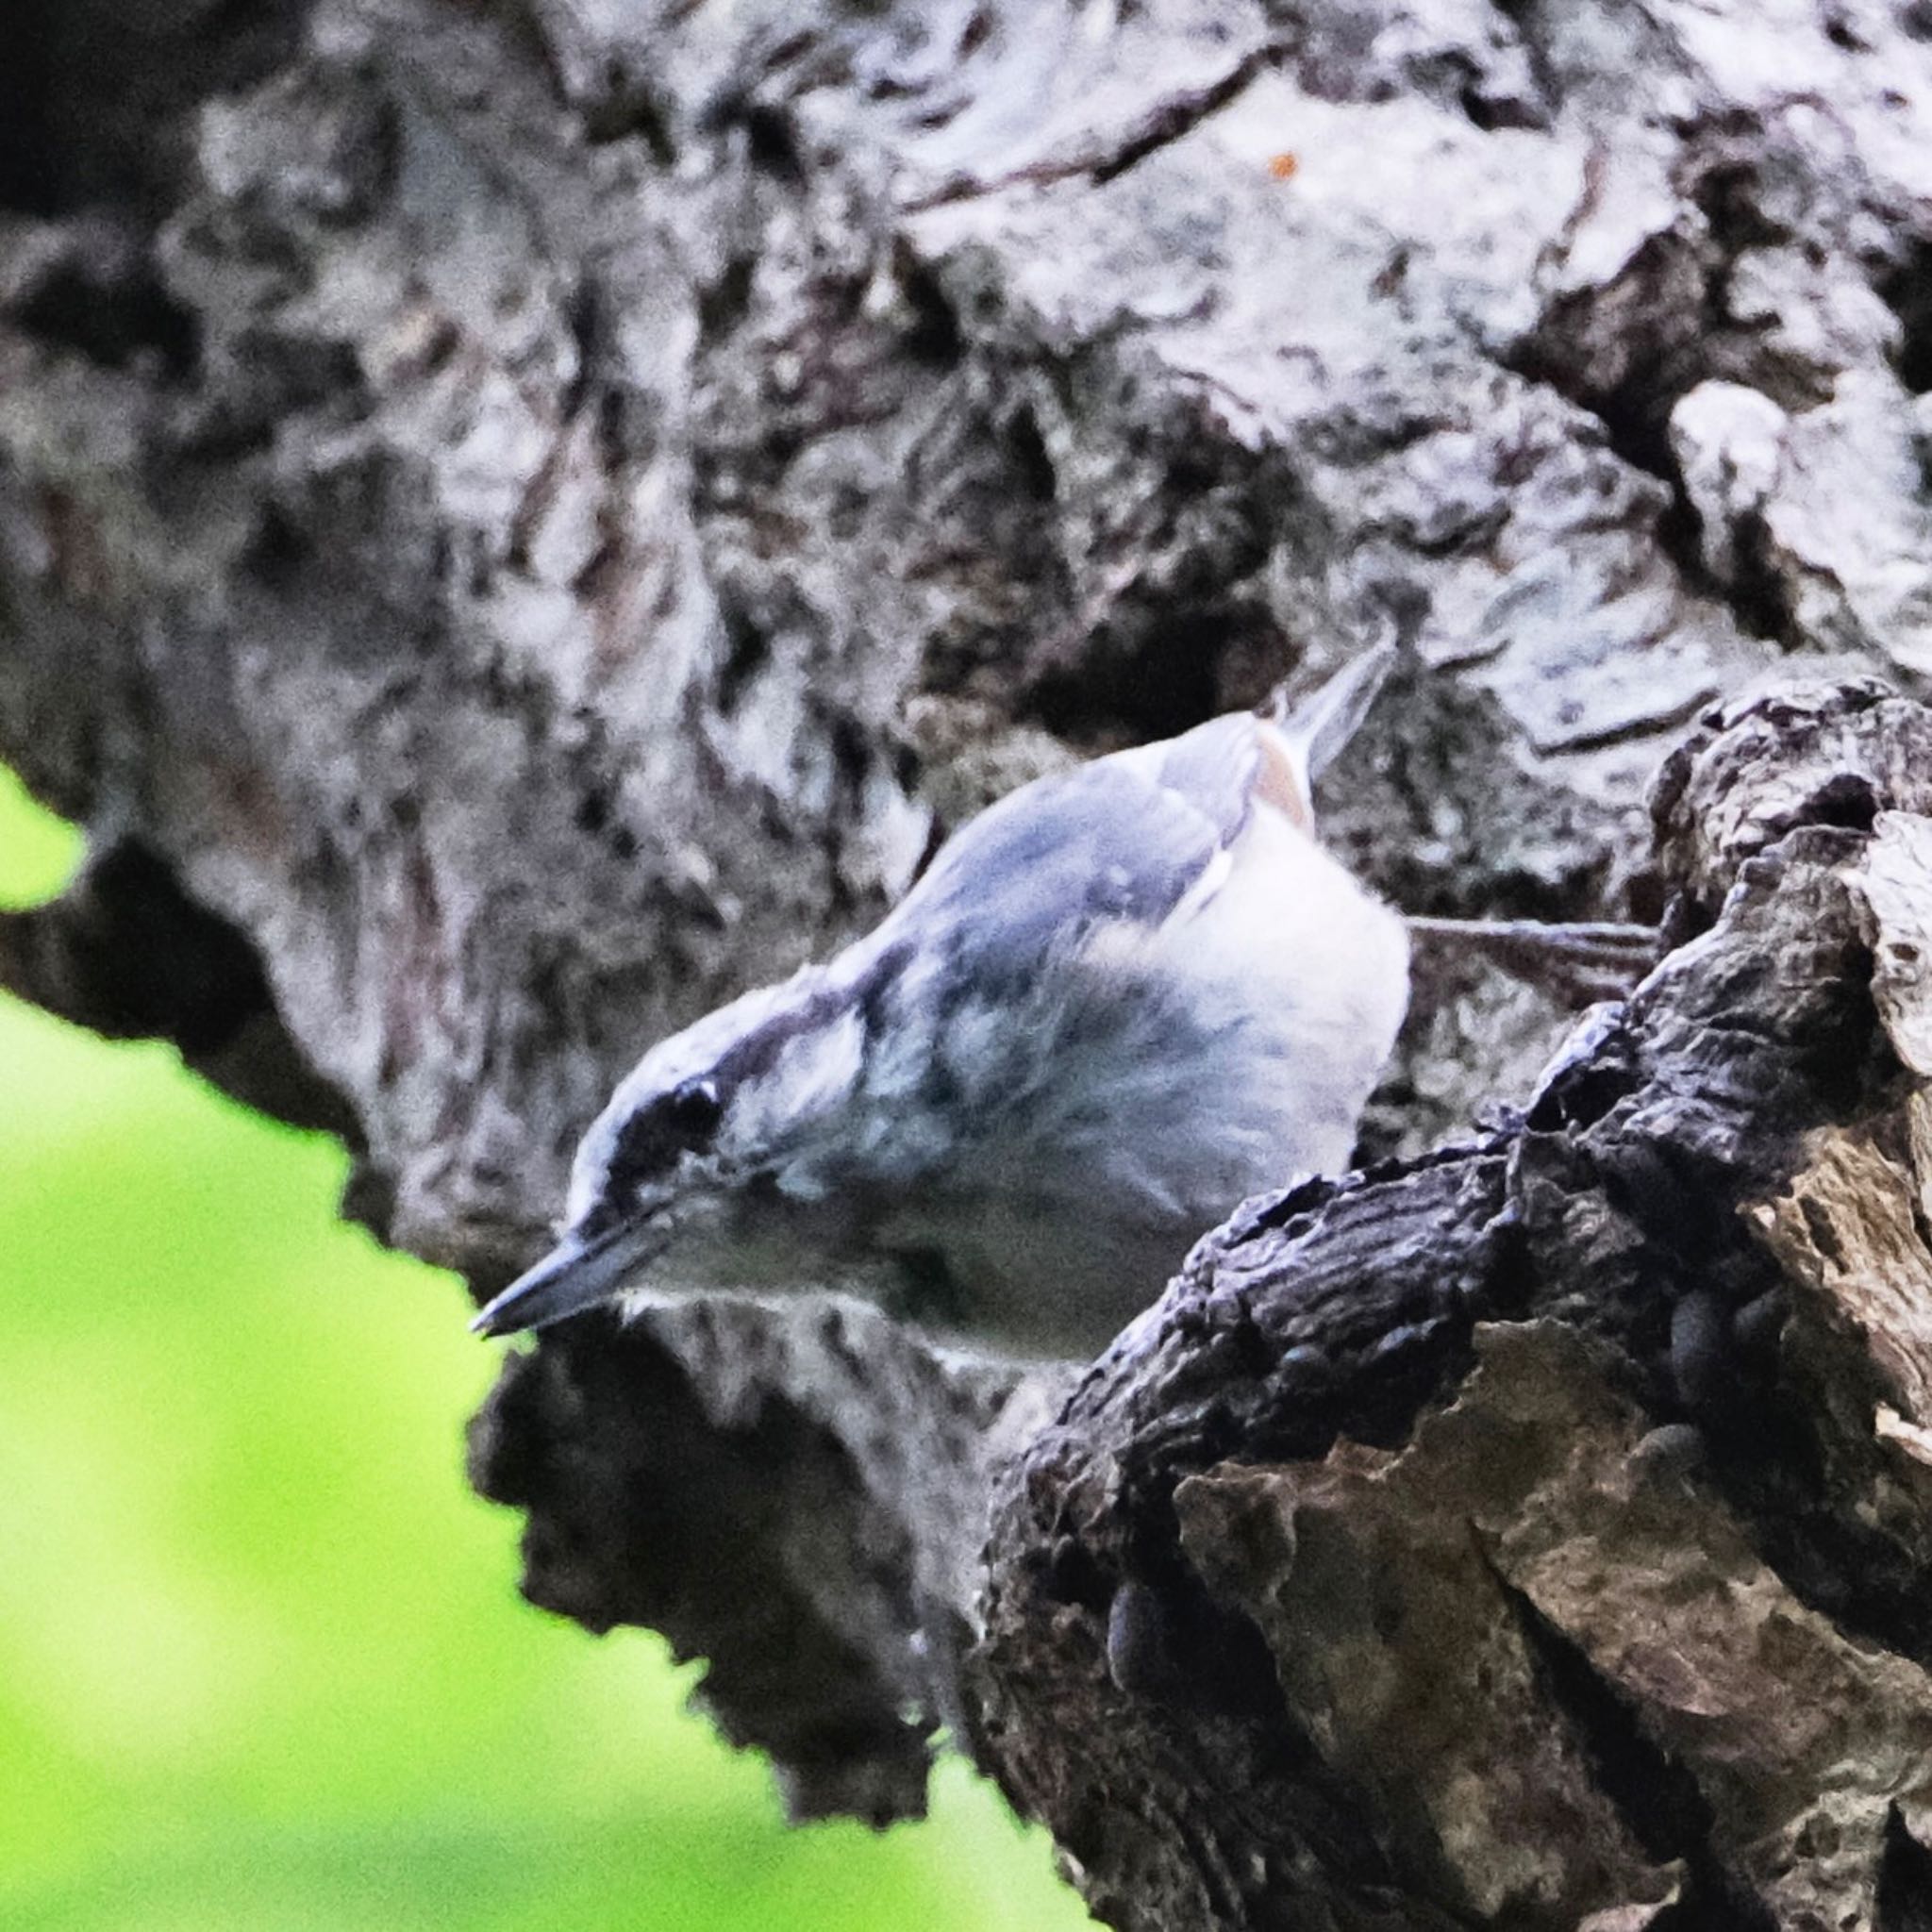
pixel 262 1660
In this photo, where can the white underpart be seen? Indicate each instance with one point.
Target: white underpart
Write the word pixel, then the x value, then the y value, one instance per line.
pixel 1294 980
pixel 1308 977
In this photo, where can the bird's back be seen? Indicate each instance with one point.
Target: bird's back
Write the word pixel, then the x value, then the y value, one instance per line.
pixel 1177 999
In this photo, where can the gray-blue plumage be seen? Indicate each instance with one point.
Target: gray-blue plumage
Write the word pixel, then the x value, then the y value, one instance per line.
pixel 1118 1001
pixel 1093 844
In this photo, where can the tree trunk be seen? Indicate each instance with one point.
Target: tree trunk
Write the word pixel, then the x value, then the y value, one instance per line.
pixel 516 525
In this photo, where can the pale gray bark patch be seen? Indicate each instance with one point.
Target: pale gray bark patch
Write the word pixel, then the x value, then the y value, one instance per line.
pixel 528 521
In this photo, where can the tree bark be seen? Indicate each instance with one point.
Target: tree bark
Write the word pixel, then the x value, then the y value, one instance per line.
pixel 516 525
pixel 1536 1532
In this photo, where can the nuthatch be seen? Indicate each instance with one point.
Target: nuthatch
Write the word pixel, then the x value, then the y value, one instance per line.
pixel 1119 1002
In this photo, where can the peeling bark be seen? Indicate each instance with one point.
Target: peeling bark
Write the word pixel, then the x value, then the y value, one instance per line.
pixel 515 526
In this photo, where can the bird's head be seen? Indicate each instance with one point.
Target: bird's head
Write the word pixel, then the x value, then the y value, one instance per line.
pixel 711 1123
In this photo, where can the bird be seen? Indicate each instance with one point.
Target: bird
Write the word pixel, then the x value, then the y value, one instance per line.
pixel 1119 1000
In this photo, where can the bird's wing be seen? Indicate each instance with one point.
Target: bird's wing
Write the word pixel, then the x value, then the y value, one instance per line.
pixel 1130 836
pixel 1221 768
pixel 1120 839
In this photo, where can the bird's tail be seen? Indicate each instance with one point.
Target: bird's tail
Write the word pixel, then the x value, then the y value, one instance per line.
pixel 1314 733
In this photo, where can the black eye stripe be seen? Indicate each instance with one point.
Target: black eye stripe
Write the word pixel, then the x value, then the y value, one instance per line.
pixel 694 1109
pixel 681 1122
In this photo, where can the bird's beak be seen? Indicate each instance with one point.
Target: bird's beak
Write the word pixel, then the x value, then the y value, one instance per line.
pixel 574 1274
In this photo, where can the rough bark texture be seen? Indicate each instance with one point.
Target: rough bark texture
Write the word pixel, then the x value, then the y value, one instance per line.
pixel 516 524
pixel 1539 1530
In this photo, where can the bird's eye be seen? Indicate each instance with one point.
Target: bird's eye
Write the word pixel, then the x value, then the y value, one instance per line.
pixel 694 1109
pixel 647 1144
